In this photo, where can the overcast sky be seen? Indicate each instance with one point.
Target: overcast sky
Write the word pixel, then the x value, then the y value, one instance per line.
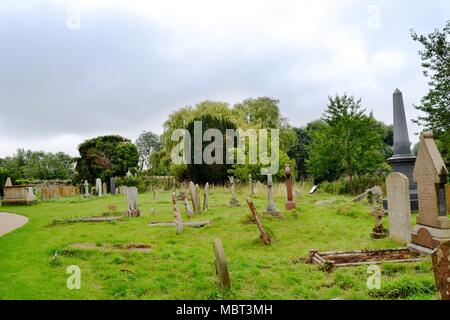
pixel 72 70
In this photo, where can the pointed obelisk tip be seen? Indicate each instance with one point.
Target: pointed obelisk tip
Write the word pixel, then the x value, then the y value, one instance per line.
pixel 397 91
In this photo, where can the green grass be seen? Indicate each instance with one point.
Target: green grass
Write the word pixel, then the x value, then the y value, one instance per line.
pixel 182 266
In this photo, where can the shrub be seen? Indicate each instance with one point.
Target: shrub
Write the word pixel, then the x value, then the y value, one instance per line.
pixel 358 185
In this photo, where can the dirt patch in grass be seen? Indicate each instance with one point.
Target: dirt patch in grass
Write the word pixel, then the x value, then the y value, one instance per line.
pixel 130 247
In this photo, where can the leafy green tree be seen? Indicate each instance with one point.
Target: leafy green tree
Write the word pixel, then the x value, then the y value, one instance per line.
pixel 216 172
pixel 147 144
pixel 349 143
pixel 38 165
pixel 435 105
pixel 105 157
pixel 300 151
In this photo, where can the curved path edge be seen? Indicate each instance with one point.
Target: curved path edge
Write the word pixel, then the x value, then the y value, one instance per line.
pixel 10 222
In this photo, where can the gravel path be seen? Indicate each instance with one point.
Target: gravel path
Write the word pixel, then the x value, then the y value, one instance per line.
pixel 10 222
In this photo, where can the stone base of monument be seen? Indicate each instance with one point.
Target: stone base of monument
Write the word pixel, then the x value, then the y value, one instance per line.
pixel 379 233
pixel 330 260
pixel 425 239
pixel 272 211
pixel 405 164
pixel 290 205
pixel 234 203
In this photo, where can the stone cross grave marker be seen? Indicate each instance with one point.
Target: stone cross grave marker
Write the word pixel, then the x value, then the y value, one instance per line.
pixel 98 186
pixel 397 188
pixel 430 174
pixel 441 268
pixel 264 235
pixel 290 204
pixel 132 203
pixel 221 265
pixel 177 214
pixel 271 209
pixel 234 202
pixel 378 232
pixel 206 198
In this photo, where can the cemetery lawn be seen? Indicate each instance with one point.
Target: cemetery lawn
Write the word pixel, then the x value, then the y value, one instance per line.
pixel 182 266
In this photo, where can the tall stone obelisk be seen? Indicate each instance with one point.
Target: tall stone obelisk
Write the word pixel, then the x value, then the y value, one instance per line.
pixel 403 160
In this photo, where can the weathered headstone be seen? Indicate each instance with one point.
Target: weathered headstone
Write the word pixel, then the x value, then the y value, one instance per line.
pixel 112 186
pixel 86 188
pixel 313 189
pixel 234 202
pixel 98 186
pixel 177 214
pixel 184 198
pixel 264 235
pixel 430 174
pixel 441 268
pixel 128 174
pixel 197 191
pixel 403 160
pixel 194 197
pixel 206 197
pixel 271 209
pixel 397 188
pixel 104 189
pixel 290 204
pixel 221 265
pixel 132 203
pixel 250 184
pixel 8 182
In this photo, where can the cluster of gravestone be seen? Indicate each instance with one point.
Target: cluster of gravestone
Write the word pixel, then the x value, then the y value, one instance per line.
pixel 416 184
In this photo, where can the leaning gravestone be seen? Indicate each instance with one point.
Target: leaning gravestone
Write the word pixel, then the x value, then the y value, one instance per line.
pixel 271 209
pixel 194 197
pixel 397 188
pixel 98 186
pixel 177 214
pixel 264 235
pixel 441 268
pixel 132 201
pixel 183 197
pixel 221 265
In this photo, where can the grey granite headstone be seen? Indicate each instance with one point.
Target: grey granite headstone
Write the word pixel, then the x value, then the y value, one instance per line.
pixel 397 188
pixel 98 186
pixel 112 186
